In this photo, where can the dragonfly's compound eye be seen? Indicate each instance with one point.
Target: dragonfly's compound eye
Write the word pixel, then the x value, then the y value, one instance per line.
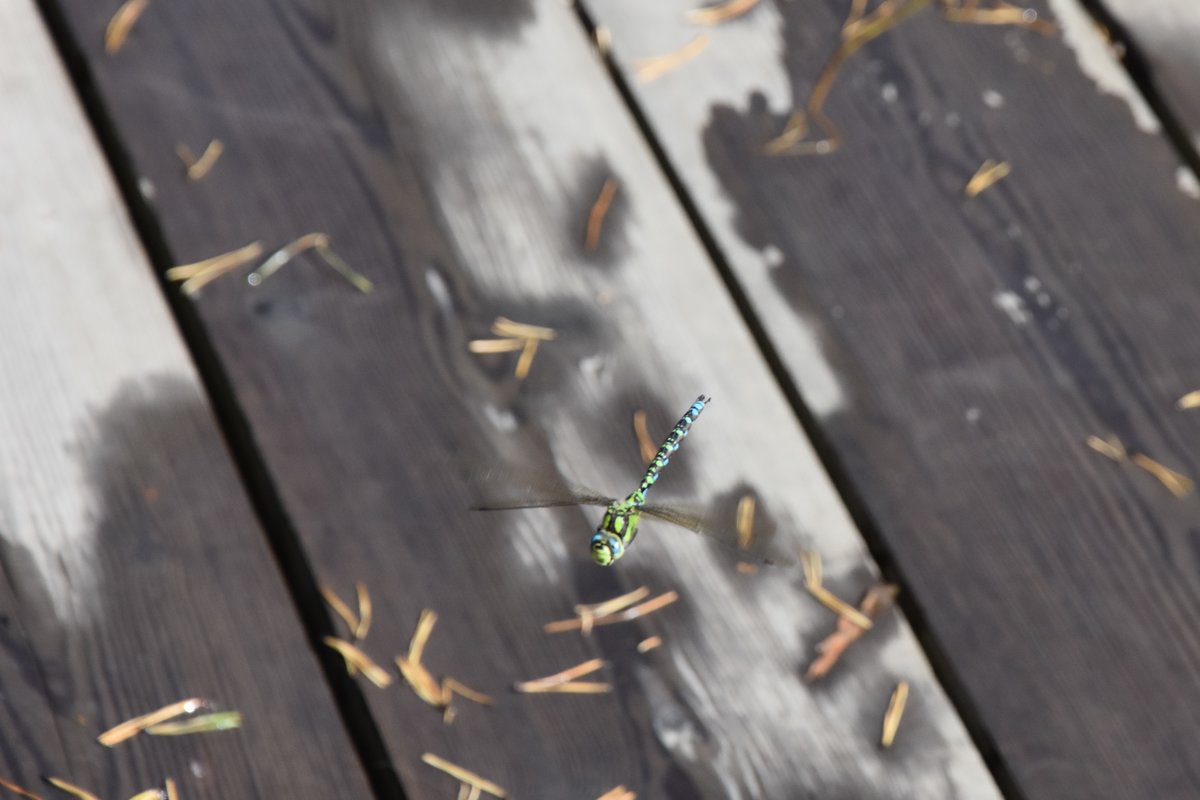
pixel 606 548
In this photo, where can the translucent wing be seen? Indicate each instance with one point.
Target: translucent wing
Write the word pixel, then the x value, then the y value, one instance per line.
pixel 757 549
pixel 692 520
pixel 498 489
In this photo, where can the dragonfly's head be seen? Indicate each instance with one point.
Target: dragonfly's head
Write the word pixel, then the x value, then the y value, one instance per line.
pixel 606 548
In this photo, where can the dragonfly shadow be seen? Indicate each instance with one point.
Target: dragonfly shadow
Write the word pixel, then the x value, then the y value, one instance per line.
pixel 748 531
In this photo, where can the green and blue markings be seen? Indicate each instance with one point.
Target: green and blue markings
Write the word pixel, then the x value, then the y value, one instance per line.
pixel 619 525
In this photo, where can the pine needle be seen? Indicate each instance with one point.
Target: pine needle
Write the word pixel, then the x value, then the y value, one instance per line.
pixel 856 31
pixel 988 173
pixel 121 24
pixel 745 521
pixel 831 648
pixel 520 330
pixel 895 710
pixel 495 345
pixel 205 723
pixel 525 360
pixel 1189 400
pixel 310 241
pixel 654 67
pixel 423 684
pixel 595 222
pixel 452 686
pixel 517 336
pixel 811 562
pixel 340 608
pixel 416 645
pixel 646 445
pixel 1003 14
pixel 71 789
pixel 364 611
pixel 463 775
pixel 572 687
pixel 1110 447
pixel 560 681
pixel 612 606
pixel 197 275
pixel 12 787
pixel 359 660
pixel 1179 484
pixel 649 643
pixel 618 793
pixel 714 15
pixel 648 607
pixel 130 728
pixel 197 168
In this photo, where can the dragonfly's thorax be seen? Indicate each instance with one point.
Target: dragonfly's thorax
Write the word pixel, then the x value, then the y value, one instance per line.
pixel 621 520
pixel 616 532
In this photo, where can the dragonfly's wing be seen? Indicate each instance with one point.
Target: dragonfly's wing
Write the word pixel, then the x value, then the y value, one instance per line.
pixel 497 489
pixel 690 519
pixel 757 549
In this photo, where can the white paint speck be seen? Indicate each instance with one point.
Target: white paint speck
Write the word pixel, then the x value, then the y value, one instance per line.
pixel 1012 304
pixel 993 99
pixel 973 414
pixel 889 92
pixel 146 188
pixel 1017 45
pixel 501 418
pixel 772 256
pixel 594 369
pixel 1097 59
pixel 437 288
pixel 1032 284
pixel 1044 300
pixel 1186 181
pixel 197 769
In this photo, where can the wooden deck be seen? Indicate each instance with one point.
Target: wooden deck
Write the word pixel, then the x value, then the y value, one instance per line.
pixel 905 380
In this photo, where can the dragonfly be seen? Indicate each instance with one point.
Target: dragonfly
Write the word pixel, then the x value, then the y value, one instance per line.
pixel 620 523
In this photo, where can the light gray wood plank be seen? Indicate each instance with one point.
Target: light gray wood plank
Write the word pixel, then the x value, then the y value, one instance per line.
pixel 134 572
pixel 1165 33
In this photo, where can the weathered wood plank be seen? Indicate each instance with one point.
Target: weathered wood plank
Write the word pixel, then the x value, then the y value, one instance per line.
pixel 132 571
pixel 956 353
pixel 452 151
pixel 1165 33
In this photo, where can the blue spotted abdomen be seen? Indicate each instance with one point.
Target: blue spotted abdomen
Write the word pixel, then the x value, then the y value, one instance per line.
pixel 672 442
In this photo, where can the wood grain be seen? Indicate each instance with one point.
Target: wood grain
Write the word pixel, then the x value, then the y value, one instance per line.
pixel 132 571
pixel 964 349
pixel 453 158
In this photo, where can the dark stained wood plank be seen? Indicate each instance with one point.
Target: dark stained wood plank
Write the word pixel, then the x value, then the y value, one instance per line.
pixel 970 346
pixel 132 571
pixel 452 151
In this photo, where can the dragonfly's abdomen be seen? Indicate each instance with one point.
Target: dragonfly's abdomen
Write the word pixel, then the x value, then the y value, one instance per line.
pixel 673 440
